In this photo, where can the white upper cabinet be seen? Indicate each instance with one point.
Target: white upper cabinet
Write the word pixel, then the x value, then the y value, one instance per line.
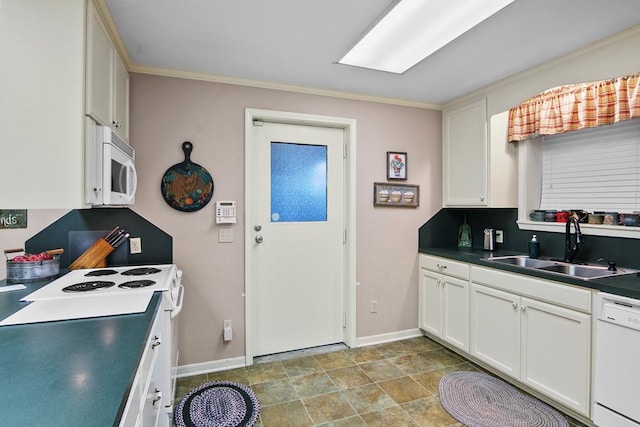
pixel 42 46
pixel 43 98
pixel 107 78
pixel 479 165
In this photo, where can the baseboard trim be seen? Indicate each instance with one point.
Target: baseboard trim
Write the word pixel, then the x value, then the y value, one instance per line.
pixel 239 362
pixel 388 337
pixel 211 366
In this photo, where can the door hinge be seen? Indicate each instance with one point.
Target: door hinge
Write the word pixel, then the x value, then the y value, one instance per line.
pixel 344 320
pixel 344 149
pixel 344 236
pixel 258 123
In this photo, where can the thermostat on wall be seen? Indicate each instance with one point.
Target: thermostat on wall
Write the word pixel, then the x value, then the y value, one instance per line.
pixel 226 212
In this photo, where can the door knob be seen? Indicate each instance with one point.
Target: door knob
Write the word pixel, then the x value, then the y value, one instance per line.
pixel 257 227
pixel 259 239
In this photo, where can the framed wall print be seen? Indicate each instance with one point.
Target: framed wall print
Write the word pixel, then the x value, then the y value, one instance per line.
pixel 398 195
pixel 396 165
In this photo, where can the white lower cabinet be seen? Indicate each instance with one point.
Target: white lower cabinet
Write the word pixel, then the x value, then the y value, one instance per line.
pixel 146 400
pixel 544 346
pixel 495 328
pixel 444 300
pixel 536 332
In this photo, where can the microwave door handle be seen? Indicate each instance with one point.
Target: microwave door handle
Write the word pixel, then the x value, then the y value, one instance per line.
pixel 134 184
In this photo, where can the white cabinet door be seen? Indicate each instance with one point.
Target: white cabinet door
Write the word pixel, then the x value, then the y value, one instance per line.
pixel 465 155
pixel 444 300
pixel 495 328
pixel 556 353
pixel 430 295
pixel 455 312
pixel 120 120
pixel 42 48
pixel 100 57
pixel 107 97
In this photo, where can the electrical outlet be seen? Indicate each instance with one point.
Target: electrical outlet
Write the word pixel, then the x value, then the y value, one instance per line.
pixel 499 236
pixel 227 332
pixel 374 306
pixel 135 245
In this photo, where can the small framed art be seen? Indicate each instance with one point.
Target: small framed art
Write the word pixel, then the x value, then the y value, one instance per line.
pixel 398 195
pixel 396 165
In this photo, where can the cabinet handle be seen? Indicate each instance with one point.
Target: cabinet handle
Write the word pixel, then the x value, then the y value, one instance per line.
pixel 482 198
pixel 514 304
pixel 523 307
pixel 441 267
pixel 157 343
pixel 157 398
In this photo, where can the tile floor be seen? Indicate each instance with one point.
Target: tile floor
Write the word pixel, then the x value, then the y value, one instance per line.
pixel 393 384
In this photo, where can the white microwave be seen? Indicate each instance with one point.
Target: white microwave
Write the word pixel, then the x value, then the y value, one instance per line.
pixel 110 172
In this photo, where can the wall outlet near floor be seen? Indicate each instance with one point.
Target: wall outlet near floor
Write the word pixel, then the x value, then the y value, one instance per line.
pixel 227 332
pixel 499 236
pixel 374 306
pixel 135 245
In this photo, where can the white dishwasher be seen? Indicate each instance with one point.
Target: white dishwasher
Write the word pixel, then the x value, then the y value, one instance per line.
pixel 617 362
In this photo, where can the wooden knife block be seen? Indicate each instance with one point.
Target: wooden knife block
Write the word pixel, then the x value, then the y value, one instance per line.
pixel 94 257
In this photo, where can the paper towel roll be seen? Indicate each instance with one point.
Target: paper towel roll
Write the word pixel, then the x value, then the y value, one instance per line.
pixel 227 334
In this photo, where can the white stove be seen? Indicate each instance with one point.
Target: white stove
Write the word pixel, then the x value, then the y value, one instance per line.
pixel 112 280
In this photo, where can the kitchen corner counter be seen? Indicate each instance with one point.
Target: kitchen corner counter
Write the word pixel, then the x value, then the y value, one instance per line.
pixel 69 373
pixel 628 285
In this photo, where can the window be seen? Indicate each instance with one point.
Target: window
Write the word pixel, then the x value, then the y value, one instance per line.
pixel 595 169
pixel 298 182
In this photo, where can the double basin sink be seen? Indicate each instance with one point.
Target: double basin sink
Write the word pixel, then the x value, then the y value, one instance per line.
pixel 578 271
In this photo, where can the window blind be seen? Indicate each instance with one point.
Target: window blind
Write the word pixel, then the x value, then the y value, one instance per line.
pixel 595 169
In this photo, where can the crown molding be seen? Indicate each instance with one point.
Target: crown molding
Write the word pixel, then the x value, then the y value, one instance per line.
pixel 168 72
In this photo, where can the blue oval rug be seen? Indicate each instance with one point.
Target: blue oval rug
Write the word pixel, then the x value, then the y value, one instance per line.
pixel 218 404
pixel 477 399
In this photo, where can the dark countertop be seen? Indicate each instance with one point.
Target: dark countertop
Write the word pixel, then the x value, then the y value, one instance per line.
pixel 69 373
pixel 627 285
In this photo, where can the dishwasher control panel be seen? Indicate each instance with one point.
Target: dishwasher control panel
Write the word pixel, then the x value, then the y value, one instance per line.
pixel 620 311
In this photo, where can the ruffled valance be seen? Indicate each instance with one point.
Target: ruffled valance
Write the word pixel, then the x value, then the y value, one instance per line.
pixel 576 106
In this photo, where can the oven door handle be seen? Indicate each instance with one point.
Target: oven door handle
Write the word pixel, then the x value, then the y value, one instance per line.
pixel 178 307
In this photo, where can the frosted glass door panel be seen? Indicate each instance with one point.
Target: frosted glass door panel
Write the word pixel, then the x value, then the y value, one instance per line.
pixel 298 182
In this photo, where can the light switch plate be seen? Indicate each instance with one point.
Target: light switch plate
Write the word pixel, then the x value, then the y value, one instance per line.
pixel 225 235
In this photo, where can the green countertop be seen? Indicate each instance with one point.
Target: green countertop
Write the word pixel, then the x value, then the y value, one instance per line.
pixel 68 373
pixel 627 285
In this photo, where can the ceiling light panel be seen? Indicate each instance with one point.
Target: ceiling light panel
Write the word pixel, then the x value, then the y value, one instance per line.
pixel 414 29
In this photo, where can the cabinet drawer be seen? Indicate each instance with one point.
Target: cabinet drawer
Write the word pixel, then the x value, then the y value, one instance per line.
pixel 445 266
pixel 544 290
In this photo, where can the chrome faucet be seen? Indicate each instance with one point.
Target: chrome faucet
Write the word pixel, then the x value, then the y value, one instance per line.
pixel 571 250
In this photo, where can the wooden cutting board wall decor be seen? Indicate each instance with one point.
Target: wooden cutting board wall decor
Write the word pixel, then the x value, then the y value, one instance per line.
pixel 187 186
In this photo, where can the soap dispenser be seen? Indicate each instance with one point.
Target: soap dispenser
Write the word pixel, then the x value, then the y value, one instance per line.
pixel 534 247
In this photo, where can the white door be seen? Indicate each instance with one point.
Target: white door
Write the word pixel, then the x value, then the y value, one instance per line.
pixel 297 226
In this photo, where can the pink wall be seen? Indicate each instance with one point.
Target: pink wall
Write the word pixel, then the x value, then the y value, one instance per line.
pixel 168 111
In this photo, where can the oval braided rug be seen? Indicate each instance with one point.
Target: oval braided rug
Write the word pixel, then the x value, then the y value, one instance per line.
pixel 477 399
pixel 218 404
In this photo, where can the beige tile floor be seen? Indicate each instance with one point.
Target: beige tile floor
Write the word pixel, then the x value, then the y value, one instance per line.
pixel 394 384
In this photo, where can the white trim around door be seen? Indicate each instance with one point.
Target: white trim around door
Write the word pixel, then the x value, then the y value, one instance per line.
pixel 349 127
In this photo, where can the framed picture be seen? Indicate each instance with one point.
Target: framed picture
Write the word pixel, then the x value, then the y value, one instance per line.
pixel 396 165
pixel 397 195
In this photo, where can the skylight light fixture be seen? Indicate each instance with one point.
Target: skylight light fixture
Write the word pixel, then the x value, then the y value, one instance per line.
pixel 414 29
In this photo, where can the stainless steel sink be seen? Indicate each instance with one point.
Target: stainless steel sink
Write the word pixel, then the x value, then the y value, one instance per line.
pixel 523 261
pixel 579 271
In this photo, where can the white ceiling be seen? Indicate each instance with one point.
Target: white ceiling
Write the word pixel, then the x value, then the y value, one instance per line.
pixel 297 42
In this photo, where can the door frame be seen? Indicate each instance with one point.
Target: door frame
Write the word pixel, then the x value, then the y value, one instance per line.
pixel 348 126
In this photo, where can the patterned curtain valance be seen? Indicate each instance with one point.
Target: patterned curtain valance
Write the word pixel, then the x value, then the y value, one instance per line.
pixel 577 106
